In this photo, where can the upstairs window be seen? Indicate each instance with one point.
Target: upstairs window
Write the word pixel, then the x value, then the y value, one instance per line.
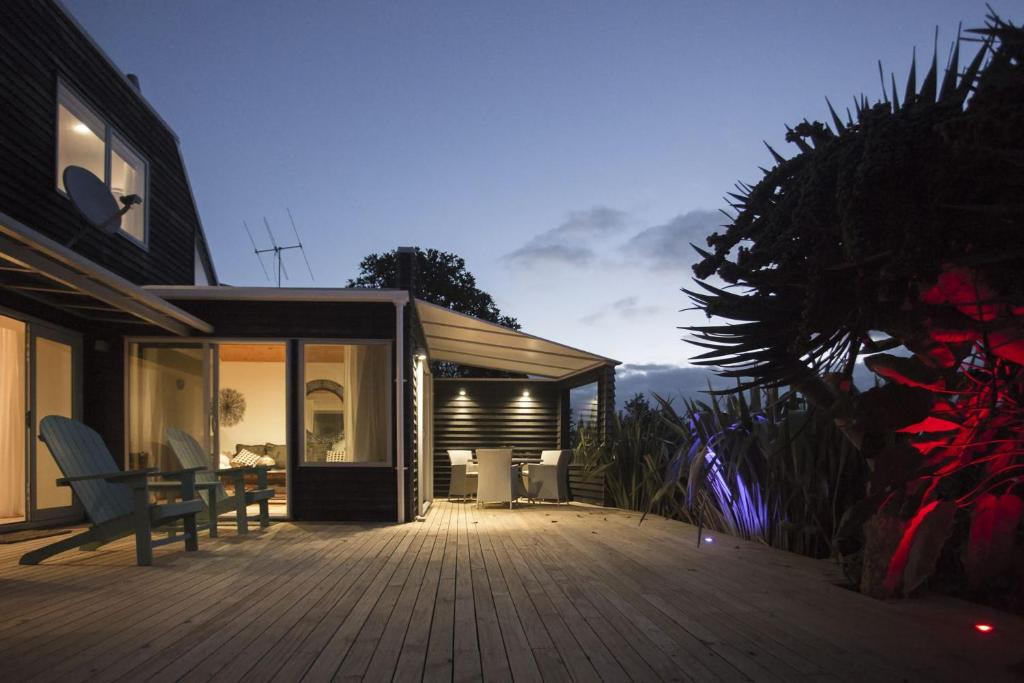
pixel 81 138
pixel 84 139
pixel 128 176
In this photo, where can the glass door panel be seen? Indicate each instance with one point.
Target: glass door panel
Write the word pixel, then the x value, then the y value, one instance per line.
pixel 12 421
pixel 54 363
pixel 168 387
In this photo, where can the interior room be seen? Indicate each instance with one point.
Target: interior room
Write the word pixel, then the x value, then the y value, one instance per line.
pixel 252 413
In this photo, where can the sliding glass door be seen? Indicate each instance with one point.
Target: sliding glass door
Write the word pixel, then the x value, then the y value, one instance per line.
pixel 40 375
pixel 231 397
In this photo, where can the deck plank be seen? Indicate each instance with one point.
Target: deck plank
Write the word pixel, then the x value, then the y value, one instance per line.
pixel 542 592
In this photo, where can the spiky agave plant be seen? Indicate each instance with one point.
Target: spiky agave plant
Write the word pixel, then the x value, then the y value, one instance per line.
pixel 900 226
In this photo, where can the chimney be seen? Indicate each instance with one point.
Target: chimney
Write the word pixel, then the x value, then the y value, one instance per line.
pixel 134 80
pixel 407 268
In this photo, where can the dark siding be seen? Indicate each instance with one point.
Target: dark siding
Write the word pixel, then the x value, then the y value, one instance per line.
pixel 103 390
pixel 493 414
pixel 284 319
pixel 40 44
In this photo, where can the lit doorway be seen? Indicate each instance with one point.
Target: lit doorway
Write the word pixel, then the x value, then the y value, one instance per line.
pixel 252 412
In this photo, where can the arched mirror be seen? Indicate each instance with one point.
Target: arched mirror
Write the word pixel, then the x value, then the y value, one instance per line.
pixel 325 410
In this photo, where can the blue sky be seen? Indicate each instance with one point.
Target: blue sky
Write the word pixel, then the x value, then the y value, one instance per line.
pixel 568 150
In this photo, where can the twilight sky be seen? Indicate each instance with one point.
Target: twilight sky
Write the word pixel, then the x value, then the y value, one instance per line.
pixel 568 150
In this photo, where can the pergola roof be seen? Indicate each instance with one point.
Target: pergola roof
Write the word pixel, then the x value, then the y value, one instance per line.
pixel 466 340
pixel 39 268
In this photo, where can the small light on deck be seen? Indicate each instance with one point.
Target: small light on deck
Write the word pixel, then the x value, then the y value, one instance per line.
pixel 984 628
pixel 709 539
pixel 462 392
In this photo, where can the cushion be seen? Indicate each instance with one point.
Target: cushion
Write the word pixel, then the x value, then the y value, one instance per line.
pixel 224 462
pixel 245 458
pixel 335 456
pixel 278 452
pixel 267 461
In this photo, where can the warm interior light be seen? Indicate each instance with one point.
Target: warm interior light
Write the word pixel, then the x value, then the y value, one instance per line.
pixel 81 128
pixel 462 392
pixel 983 628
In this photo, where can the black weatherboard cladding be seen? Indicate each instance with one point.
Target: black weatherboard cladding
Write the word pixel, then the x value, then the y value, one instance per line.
pixel 492 414
pixel 40 45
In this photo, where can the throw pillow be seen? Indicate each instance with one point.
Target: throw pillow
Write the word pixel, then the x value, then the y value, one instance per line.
pixel 245 458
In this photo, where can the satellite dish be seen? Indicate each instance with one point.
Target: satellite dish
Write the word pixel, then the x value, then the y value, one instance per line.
pixel 94 201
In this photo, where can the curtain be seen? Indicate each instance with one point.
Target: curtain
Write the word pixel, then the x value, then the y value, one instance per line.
pixel 366 402
pixel 12 418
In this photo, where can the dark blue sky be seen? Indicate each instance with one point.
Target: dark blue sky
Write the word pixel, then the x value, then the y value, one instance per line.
pixel 567 150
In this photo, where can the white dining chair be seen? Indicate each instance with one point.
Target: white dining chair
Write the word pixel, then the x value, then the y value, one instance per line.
pixel 463 481
pixel 549 478
pixel 494 472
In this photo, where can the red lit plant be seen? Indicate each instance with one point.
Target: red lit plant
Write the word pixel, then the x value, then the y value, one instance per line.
pixel 899 229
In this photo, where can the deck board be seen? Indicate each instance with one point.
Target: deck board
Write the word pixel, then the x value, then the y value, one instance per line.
pixel 539 593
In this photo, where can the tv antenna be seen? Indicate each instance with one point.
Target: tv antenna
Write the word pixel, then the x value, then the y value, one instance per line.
pixel 94 202
pixel 278 250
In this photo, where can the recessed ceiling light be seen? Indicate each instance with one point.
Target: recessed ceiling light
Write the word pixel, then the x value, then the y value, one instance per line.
pixel 462 392
pixel 81 128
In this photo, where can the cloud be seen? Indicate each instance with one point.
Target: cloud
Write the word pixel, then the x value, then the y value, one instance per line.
pixel 565 243
pixel 628 308
pixel 533 254
pixel 677 382
pixel 667 246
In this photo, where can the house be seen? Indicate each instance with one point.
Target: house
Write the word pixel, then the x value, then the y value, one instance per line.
pixel 132 332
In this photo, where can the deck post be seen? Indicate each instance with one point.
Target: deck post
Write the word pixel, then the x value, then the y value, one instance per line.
pixel 605 401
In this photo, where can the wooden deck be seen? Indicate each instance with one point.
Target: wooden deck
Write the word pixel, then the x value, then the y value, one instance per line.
pixel 539 593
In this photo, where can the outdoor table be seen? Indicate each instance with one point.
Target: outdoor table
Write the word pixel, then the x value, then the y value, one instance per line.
pixel 515 461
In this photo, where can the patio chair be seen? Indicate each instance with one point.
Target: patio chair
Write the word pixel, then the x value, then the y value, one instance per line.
pixel 116 502
pixel 497 482
pixel 463 479
pixel 549 479
pixel 213 494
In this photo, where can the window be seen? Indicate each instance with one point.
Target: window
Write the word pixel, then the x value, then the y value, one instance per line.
pixel 347 411
pixel 128 176
pixel 84 139
pixel 81 138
